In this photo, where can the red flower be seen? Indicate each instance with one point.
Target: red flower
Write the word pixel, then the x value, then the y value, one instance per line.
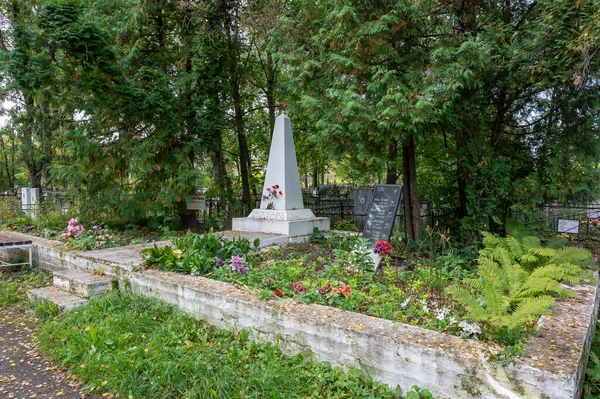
pixel 278 293
pixel 276 186
pixel 280 193
pixel 383 248
pixel 268 188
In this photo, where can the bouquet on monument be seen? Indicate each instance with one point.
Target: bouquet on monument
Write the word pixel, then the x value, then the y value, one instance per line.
pixel 271 194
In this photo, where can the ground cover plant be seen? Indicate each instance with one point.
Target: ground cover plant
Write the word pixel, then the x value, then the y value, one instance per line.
pixel 142 348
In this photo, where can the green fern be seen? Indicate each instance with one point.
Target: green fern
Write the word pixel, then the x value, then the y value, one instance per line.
pixel 519 279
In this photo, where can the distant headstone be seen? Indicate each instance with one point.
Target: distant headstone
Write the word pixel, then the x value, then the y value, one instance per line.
pixel 196 202
pixel 30 201
pixel 382 212
pixel 362 201
pixel 570 226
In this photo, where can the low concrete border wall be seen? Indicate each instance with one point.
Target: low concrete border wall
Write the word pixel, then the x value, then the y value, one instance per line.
pixel 394 353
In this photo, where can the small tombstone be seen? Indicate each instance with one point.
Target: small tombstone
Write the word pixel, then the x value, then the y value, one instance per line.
pixel 30 201
pixel 382 214
pixel 362 201
pixel 570 226
pixel 196 202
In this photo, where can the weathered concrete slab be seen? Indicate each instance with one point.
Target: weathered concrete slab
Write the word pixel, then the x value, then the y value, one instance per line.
pixel 83 284
pixel 394 353
pixel 62 299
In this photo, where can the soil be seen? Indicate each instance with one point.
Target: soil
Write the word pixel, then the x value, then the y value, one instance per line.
pixel 24 372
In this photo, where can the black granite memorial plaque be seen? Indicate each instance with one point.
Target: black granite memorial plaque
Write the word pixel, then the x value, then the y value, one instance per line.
pixel 382 212
pixel 362 200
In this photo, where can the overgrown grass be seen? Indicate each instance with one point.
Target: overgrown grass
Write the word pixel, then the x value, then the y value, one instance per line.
pixel 15 284
pixel 591 388
pixel 141 348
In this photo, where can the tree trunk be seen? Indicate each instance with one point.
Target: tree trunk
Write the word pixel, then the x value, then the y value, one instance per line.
pixel 271 92
pixel 391 176
pixel 222 180
pixel 412 204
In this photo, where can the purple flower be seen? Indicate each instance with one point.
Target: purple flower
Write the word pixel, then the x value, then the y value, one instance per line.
pixel 237 263
pixel 219 262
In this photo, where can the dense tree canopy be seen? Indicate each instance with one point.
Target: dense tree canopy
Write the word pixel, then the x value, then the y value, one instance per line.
pixel 475 106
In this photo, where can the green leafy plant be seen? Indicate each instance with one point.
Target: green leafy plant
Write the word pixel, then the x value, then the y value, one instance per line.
pixel 317 235
pixel 197 254
pixel 517 278
pixel 591 388
pixel 418 393
pixel 9 293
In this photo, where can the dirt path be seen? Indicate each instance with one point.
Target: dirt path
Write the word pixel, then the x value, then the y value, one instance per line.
pixel 24 372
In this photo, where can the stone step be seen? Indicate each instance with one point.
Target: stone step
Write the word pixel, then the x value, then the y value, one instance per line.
pixel 64 300
pixel 83 284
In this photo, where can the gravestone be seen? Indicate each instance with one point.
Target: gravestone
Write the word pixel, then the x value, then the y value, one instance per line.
pixel 382 212
pixel 30 201
pixel 570 226
pixel 362 201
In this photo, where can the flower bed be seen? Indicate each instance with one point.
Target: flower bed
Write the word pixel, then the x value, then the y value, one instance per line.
pixel 515 282
pixel 96 236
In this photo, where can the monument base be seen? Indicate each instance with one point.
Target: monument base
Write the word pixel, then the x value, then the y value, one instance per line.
pixel 291 223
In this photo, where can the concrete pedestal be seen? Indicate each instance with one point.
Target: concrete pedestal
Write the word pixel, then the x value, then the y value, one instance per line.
pixel 291 223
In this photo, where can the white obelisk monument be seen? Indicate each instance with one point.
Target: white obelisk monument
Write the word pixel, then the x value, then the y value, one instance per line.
pixel 282 209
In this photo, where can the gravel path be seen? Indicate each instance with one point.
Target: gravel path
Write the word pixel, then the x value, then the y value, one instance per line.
pixel 24 372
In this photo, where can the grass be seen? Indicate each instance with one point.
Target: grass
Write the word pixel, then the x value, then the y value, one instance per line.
pixel 136 347
pixel 591 388
pixel 15 284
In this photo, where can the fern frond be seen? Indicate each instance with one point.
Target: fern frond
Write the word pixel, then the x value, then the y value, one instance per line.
pixel 529 309
pixel 516 277
pixel 488 268
pixel 530 242
pixel 473 283
pixel 578 256
pixel 470 302
pixel 557 242
pixel 494 299
pixel 514 246
pixel 489 240
pixel 536 286
pixel 544 252
pixel 529 261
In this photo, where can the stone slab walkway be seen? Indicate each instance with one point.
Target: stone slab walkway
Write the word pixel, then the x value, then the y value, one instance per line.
pixel 24 372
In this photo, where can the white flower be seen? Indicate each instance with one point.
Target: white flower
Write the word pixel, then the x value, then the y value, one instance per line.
pixel 469 328
pixel 405 303
pixel 452 320
pixel 441 314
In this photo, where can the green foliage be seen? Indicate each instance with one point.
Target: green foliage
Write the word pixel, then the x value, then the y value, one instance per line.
pixel 139 347
pixel 9 293
pixel 197 254
pixel 317 235
pixel 517 278
pixel 591 388
pixel 419 393
pixel 16 283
